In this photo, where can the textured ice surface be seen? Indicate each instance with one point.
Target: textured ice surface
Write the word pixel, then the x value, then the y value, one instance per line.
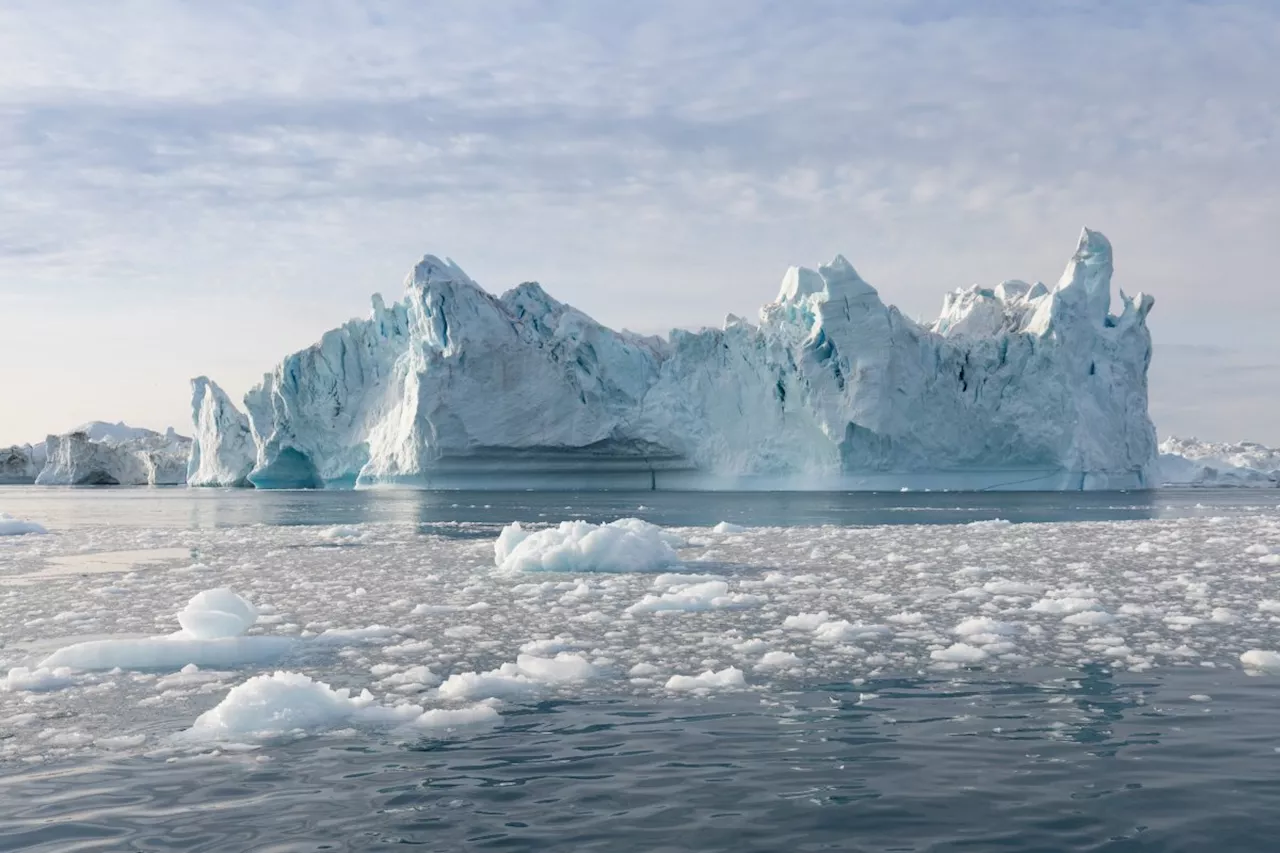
pixel 1016 387
pixel 626 545
pixel 114 455
pixel 222 451
pixel 1189 461
pixel 429 626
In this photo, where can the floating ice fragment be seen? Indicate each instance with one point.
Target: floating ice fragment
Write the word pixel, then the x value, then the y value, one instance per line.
pixel 711 595
pixel 39 680
pixel 215 614
pixel 959 653
pixel 626 545
pixel 1261 660
pixel 284 702
pixel 729 677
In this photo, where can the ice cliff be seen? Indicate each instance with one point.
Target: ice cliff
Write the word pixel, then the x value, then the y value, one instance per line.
pixel 1191 462
pixel 1017 386
pixel 123 456
pixel 226 454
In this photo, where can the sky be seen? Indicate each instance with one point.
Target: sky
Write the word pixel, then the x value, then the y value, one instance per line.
pixel 196 188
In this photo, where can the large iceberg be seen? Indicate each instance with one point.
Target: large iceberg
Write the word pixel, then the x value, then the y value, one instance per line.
pixel 1191 462
pixel 1017 386
pixel 120 456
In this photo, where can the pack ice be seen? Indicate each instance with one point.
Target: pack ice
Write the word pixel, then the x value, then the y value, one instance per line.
pixel 1017 386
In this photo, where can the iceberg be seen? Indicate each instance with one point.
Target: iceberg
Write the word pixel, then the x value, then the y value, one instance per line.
pixel 20 463
pixel 1020 386
pixel 222 451
pixel 1192 462
pixel 120 456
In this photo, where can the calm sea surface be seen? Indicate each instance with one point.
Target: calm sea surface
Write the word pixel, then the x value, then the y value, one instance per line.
pixel 1039 755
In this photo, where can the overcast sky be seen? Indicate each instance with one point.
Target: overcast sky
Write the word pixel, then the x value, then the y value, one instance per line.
pixel 195 187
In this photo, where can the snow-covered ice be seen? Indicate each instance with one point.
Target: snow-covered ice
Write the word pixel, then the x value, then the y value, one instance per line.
pixel 1016 386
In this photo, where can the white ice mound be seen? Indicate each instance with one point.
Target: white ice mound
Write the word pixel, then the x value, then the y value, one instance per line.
pixel 1191 462
pixel 118 456
pixel 625 545
pixel 11 526
pixel 213 623
pixel 286 702
pixel 1258 661
pixel 222 450
pixel 1019 386
pixel 726 679
pixel 217 613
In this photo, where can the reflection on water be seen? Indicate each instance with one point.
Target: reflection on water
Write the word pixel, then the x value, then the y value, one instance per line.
pixel 1085 760
pixel 179 507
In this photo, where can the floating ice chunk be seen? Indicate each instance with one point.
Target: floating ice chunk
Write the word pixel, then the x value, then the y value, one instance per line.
pixel 1065 605
pixel 344 535
pixel 983 625
pixel 959 653
pixel 547 647
pixel 1007 587
pixel 1261 660
pixel 751 647
pixel 1089 617
pixel 564 668
pixel 843 631
pixel 626 545
pixel 806 621
pixel 415 677
pixel 39 680
pixel 216 613
pixel 513 680
pixel 643 670
pixel 285 702
pixel 778 660
pixel 729 527
pixel 453 718
pixel 11 526
pixel 727 678
pixel 121 741
pixel 171 653
pixel 342 636
pixel 711 595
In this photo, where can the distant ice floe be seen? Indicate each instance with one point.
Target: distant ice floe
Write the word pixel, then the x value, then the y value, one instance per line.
pixel 625 545
pixel 11 526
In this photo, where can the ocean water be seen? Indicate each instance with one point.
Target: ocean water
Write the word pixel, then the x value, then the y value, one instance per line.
pixel 916 673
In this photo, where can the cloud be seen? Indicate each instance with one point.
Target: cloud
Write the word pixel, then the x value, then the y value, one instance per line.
pixel 262 166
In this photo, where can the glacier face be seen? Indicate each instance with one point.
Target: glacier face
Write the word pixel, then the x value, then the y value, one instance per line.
pixel 1017 386
pixel 123 456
